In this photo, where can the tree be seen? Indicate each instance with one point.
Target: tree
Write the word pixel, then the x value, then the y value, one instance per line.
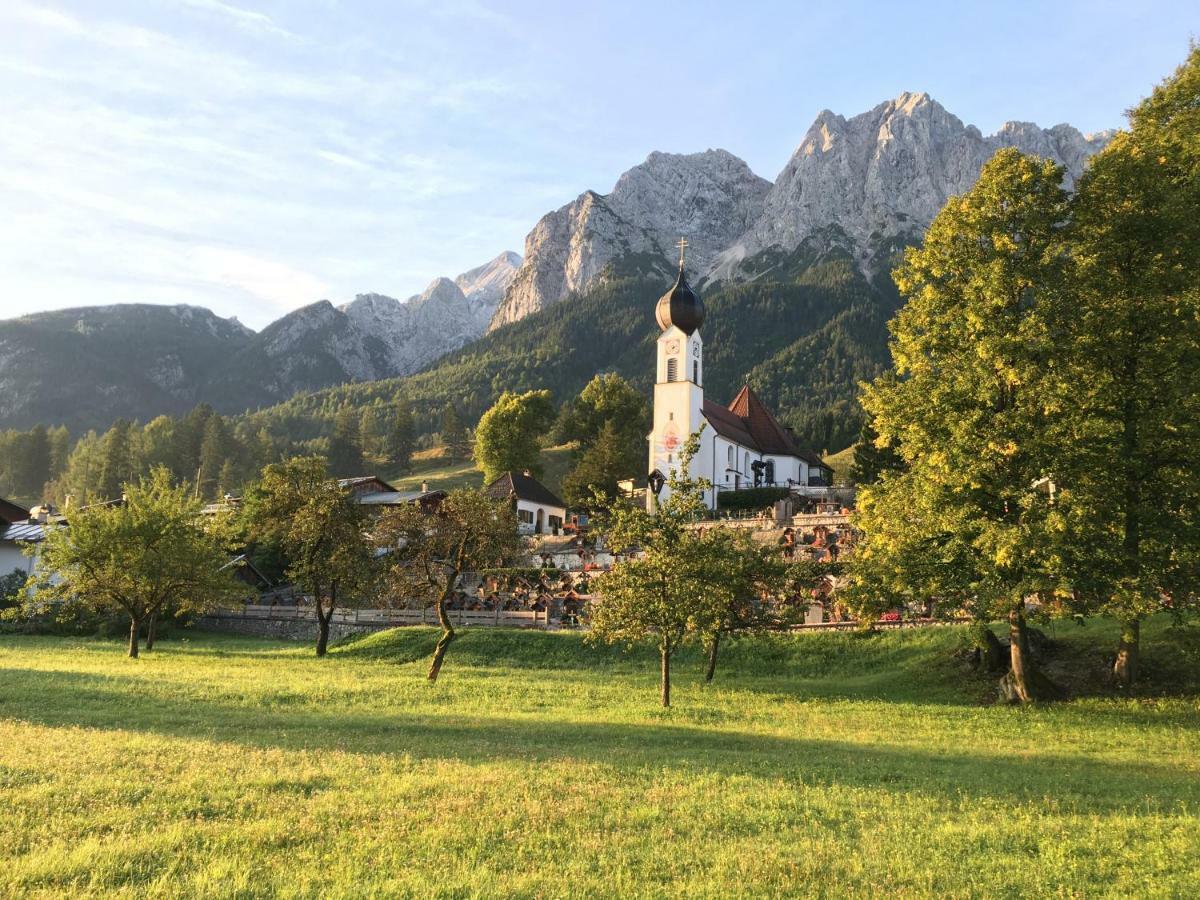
pixel 606 462
pixel 320 530
pixel 12 586
pixel 116 460
pixel 870 459
pixel 401 440
pixel 1131 463
pixel 507 436
pixel 672 589
pixel 345 446
pixel 606 399
pixel 454 434
pixel 430 551
pixel 136 556
pixel 742 579
pixel 968 406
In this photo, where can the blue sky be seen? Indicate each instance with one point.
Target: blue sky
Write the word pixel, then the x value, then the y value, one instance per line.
pixel 253 156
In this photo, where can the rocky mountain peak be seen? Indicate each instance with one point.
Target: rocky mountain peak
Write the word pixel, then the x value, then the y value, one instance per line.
pixel 708 197
pixel 880 177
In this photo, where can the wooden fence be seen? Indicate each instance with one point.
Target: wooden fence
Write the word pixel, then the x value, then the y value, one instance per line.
pixel 510 618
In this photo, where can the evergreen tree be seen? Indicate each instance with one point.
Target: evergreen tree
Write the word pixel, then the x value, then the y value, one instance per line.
pixel 345 446
pixel 60 450
pixel 454 434
pixel 608 460
pixel 116 461
pixel 215 450
pixel 401 438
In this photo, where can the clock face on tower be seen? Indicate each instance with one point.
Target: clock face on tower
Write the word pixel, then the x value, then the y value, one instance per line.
pixel 696 350
pixel 672 346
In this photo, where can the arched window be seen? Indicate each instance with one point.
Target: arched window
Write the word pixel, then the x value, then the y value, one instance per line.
pixel 729 457
pixel 746 467
pixel 695 371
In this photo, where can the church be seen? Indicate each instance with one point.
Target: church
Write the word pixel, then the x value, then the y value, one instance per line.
pixel 742 445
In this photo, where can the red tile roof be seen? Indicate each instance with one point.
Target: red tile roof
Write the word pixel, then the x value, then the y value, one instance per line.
pixel 747 422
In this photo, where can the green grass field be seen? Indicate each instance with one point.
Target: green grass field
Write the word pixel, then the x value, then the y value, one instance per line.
pixel 817 765
pixel 432 468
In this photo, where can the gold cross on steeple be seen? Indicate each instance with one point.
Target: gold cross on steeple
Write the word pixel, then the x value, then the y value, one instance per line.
pixel 682 245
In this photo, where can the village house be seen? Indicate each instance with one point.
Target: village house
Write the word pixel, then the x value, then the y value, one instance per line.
pixel 539 511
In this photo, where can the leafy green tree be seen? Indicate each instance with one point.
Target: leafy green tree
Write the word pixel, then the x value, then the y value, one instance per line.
pixel 454 434
pixel 743 578
pixel 12 586
pixel 401 439
pixel 1131 436
pixel 508 434
pixel 968 407
pixel 136 557
pixel 430 552
pixel 345 446
pixel 671 588
pixel 606 399
pixel 870 459
pixel 320 530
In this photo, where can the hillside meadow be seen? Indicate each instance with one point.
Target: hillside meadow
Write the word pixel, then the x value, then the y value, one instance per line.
pixel 817 765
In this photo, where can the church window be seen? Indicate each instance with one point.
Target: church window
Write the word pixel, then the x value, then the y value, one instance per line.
pixel 670 417
pixel 672 369
pixel 696 372
pixel 729 457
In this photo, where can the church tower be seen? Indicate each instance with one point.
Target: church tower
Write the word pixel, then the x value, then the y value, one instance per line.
pixel 679 383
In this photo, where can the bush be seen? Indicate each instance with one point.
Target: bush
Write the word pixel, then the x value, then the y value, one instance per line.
pixel 11 586
pixel 751 498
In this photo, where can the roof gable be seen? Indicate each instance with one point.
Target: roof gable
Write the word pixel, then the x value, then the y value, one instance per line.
pixel 746 421
pixel 522 486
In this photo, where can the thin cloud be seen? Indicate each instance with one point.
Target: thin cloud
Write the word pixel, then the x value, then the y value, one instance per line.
pixel 245 19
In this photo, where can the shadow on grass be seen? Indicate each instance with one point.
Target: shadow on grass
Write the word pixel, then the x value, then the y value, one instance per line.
pixel 70 699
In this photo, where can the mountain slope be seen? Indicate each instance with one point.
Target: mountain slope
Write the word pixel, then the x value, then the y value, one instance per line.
pixel 93 365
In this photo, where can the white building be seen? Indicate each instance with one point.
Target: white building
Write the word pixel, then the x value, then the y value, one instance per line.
pixel 539 511
pixel 742 445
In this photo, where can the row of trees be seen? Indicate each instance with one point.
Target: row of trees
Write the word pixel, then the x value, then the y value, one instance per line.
pixel 157 553
pixel 1039 435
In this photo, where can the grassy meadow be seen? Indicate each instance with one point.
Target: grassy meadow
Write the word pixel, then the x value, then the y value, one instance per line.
pixel 817 765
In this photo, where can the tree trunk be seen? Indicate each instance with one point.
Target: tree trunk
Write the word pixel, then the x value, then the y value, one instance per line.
pixel 713 646
pixel 323 618
pixel 439 652
pixel 666 673
pixel 135 625
pixel 1125 669
pixel 151 630
pixel 1024 681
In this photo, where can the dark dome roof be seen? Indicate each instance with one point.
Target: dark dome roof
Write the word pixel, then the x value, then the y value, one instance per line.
pixel 680 306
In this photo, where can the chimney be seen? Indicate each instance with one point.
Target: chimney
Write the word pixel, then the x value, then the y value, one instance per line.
pixel 424 487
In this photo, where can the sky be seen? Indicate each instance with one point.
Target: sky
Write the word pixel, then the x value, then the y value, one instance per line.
pixel 255 156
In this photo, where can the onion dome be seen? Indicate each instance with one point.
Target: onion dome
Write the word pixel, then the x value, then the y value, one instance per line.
pixel 680 306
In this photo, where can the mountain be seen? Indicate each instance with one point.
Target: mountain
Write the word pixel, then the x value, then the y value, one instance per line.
pixel 91 366
pixel 874 182
pixel 793 273
pixel 88 367
pixel 372 337
pixel 710 197
pixel 868 185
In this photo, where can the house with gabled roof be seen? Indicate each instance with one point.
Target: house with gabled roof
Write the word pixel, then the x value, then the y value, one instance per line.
pixel 539 510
